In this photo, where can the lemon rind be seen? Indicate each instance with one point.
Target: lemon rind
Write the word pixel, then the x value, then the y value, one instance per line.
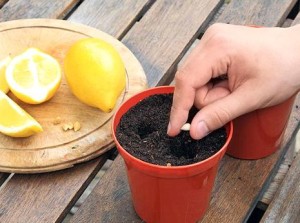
pixel 30 126
pixel 3 64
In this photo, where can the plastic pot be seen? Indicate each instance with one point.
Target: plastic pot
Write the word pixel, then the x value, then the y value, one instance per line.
pixel 168 194
pixel 258 134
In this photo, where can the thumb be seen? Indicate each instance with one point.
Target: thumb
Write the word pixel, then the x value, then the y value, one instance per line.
pixel 220 112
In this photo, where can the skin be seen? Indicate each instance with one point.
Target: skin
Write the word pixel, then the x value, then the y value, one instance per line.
pixel 261 68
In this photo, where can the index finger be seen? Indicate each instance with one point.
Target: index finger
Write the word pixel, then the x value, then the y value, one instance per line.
pixel 183 100
pixel 195 73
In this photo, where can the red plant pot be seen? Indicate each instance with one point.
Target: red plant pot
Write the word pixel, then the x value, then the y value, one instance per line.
pixel 258 134
pixel 168 194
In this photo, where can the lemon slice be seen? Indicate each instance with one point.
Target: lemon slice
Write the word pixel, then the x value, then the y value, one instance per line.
pixel 14 121
pixel 33 76
pixel 3 84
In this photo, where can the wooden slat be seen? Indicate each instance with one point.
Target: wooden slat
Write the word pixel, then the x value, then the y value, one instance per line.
pixel 20 9
pixel 66 185
pixel 3 177
pixel 296 20
pixel 110 201
pixel 45 197
pixel 239 180
pixel 285 206
pixel 263 13
pixel 166 31
pixel 102 14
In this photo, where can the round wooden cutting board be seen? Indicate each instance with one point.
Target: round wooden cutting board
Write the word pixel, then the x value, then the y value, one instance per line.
pixel 54 148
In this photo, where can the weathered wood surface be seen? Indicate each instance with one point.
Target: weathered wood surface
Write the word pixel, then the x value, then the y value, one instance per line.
pixel 113 190
pixel 285 206
pixel 45 197
pixel 153 39
pixel 240 180
pixel 104 14
pixel 110 201
pixel 3 177
pixel 20 9
pixel 296 20
pixel 66 194
pixel 263 13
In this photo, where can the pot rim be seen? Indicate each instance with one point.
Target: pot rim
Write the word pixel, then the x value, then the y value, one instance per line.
pixel 215 158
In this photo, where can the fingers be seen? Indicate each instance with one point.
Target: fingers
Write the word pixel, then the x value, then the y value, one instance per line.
pixel 210 93
pixel 220 112
pixel 207 61
pixel 183 99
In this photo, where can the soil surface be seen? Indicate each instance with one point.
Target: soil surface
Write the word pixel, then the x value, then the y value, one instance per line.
pixel 142 131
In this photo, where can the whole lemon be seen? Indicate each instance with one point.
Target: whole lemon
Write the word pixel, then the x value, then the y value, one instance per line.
pixel 95 73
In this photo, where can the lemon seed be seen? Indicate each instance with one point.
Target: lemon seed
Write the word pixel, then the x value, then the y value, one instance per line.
pixel 186 127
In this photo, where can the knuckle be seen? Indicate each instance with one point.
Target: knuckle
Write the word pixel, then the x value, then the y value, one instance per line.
pixel 221 117
pixel 215 28
pixel 218 35
pixel 181 76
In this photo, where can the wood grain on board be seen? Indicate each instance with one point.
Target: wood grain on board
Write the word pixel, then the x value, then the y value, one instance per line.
pixel 20 9
pixel 240 180
pixel 104 14
pixel 262 13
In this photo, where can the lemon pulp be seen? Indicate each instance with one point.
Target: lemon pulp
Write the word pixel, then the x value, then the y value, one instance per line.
pixel 33 76
pixel 14 121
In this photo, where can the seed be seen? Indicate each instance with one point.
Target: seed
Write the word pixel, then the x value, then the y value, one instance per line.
pixel 186 127
pixel 77 126
pixel 57 120
pixel 68 126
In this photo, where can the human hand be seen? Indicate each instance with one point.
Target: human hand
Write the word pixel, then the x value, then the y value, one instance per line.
pixel 262 70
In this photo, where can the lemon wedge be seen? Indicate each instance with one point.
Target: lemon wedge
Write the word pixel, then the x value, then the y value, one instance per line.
pixel 3 84
pixel 14 121
pixel 33 76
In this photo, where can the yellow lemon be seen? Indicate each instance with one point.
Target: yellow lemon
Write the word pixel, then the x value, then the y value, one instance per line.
pixel 95 73
pixel 33 76
pixel 3 84
pixel 14 121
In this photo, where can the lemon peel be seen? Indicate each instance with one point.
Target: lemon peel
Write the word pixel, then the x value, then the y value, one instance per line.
pixel 95 73
pixel 3 83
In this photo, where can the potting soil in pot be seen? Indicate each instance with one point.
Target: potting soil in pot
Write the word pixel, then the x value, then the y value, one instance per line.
pixel 142 131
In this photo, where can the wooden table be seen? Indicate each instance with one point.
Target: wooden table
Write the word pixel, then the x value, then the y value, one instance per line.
pixel 159 33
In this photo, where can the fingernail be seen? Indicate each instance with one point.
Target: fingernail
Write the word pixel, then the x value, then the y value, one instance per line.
pixel 169 128
pixel 202 130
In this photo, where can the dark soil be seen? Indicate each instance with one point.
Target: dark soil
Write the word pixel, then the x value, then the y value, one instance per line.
pixel 142 131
